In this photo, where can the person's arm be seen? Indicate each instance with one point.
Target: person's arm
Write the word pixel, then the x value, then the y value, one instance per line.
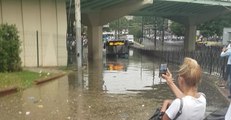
pixel 224 52
pixel 165 105
pixel 168 77
pixel 172 110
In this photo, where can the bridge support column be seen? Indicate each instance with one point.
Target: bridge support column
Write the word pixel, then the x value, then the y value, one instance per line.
pixel 190 38
pixel 95 44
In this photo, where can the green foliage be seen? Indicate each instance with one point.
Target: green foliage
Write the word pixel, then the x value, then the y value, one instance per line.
pixel 136 31
pixel 177 29
pixel 119 24
pixel 134 25
pixel 9 49
pixel 215 27
pixel 158 22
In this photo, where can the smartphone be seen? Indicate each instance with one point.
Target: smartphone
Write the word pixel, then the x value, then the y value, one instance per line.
pixel 162 69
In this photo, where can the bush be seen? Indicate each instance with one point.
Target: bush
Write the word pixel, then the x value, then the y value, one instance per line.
pixel 9 49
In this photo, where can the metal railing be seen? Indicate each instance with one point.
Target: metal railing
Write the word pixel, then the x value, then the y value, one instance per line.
pixel 208 58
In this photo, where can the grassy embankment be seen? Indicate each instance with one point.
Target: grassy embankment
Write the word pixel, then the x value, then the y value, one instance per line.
pixel 22 80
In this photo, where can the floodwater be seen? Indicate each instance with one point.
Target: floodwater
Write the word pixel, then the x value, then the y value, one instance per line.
pixel 112 89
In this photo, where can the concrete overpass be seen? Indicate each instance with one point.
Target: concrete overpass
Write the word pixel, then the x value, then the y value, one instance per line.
pixel 96 13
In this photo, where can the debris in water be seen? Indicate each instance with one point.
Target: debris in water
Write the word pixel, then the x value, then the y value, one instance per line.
pixel 19 112
pixel 28 113
pixel 40 106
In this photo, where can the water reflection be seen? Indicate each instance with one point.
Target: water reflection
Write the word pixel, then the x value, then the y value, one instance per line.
pixel 129 75
pixel 47 101
pixel 48 98
pixel 118 75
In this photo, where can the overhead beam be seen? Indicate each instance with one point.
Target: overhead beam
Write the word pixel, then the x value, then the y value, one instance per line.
pixel 122 9
pixel 115 2
pixel 205 2
pixel 163 5
pixel 208 16
pixel 106 4
pixel 98 5
pixel 197 19
pixel 173 10
pixel 85 4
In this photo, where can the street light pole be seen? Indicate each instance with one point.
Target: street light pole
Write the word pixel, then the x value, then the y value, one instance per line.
pixel 155 27
pixel 142 28
pixel 78 34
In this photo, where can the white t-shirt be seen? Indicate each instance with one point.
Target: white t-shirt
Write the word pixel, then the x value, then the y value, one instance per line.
pixel 193 108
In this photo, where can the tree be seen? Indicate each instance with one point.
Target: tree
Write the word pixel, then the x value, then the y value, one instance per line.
pixel 119 24
pixel 135 27
pixel 177 29
pixel 9 49
pixel 215 27
pixel 136 30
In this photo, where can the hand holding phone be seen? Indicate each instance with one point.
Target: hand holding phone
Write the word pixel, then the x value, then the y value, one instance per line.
pixel 162 69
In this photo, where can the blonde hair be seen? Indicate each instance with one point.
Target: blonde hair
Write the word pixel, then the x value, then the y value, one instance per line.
pixel 191 71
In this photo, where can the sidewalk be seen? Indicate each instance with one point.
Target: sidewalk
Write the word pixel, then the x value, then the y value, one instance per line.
pixel 224 91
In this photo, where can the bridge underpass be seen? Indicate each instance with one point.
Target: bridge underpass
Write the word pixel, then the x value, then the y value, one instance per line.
pixel 96 13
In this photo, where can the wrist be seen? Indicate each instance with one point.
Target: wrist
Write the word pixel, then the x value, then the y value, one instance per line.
pixel 170 81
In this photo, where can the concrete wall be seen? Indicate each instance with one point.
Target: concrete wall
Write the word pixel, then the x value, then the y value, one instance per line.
pixel 48 18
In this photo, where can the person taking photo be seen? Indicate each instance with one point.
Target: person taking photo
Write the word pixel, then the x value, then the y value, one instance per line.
pixel 226 52
pixel 193 102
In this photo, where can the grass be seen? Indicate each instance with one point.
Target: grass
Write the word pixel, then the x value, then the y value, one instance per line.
pixel 22 80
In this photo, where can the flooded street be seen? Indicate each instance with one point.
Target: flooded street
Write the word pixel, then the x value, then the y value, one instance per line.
pixel 112 89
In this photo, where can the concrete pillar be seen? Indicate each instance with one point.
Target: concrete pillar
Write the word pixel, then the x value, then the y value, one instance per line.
pixel 190 37
pixel 95 44
pixel 95 78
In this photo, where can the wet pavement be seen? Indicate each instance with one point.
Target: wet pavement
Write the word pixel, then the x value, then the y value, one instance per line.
pixel 112 89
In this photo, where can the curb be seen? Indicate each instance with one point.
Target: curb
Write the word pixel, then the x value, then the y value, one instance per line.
pixel 9 90
pixel 40 81
pixel 14 89
pixel 224 92
pixel 138 44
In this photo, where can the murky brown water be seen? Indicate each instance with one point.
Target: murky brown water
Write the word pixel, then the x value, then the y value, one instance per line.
pixel 112 89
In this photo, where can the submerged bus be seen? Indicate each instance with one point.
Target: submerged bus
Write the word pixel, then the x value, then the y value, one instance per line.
pixel 117 48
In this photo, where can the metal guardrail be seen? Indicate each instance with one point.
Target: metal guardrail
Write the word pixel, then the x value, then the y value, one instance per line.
pixel 208 58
